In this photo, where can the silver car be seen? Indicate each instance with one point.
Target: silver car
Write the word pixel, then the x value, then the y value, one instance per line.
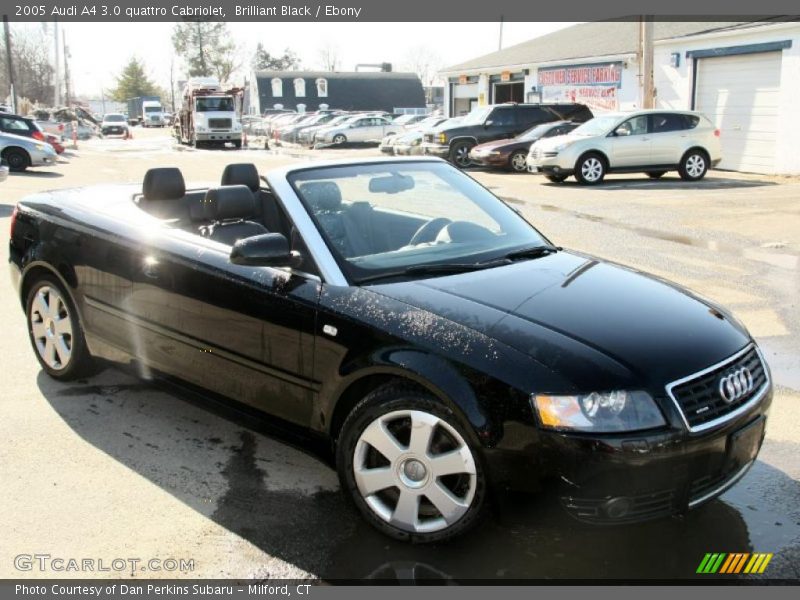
pixel 358 129
pixel 3 173
pixel 645 141
pixel 20 152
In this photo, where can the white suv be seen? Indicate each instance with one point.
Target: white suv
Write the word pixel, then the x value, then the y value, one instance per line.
pixel 649 141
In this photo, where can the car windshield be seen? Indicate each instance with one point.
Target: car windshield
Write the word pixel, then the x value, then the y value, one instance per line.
pixel 114 118
pixel 477 116
pixel 210 104
pixel 534 133
pixel 338 120
pixel 381 219
pixel 596 126
pixel 152 109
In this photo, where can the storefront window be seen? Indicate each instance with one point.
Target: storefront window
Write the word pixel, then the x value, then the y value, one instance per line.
pixel 322 88
pixel 277 88
pixel 300 87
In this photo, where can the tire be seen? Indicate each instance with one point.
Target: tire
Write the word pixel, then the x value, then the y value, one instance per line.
pixel 408 500
pixel 237 144
pixel 55 331
pixel 694 165
pixel 655 174
pixel 339 139
pixel 459 154
pixel 17 160
pixel 590 169
pixel 556 178
pixel 518 161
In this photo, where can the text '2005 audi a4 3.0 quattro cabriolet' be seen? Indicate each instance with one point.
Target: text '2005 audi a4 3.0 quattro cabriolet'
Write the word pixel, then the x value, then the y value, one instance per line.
pixel 400 310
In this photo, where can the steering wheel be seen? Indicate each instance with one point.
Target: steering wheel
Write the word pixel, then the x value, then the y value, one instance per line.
pixel 428 231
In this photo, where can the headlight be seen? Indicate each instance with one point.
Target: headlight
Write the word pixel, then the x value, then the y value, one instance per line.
pixel 563 146
pixel 598 412
pixel 442 138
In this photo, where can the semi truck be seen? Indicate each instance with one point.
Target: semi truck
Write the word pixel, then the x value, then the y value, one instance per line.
pixel 145 110
pixel 209 114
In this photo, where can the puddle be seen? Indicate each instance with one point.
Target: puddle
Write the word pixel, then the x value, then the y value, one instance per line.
pixel 780 260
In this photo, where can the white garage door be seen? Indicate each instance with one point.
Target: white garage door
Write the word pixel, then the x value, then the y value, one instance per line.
pixel 740 96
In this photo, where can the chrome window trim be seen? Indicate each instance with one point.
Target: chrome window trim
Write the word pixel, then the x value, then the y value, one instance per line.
pixel 757 396
pixel 723 487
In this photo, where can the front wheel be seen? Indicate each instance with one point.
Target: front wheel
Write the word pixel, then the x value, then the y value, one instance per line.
pixel 694 165
pixel 518 161
pixel 459 154
pixel 55 331
pixel 405 460
pixel 339 139
pixel 590 169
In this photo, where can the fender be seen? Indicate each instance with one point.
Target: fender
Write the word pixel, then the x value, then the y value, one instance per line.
pixel 463 138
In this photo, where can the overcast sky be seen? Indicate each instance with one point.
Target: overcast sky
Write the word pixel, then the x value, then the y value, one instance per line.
pixel 99 50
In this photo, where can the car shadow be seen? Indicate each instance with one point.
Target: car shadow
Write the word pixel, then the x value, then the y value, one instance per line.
pixel 666 182
pixel 38 174
pixel 281 494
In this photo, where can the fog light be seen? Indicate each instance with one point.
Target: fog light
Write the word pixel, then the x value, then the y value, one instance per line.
pixel 617 508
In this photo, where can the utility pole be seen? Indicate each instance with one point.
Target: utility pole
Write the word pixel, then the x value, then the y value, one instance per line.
pixel 10 64
pixel 172 83
pixel 500 40
pixel 66 69
pixel 57 71
pixel 646 64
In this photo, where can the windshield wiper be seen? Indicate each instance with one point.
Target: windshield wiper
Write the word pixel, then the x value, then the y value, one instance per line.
pixel 436 269
pixel 531 252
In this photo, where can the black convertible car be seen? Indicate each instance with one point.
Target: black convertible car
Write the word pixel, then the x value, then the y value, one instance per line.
pixel 402 311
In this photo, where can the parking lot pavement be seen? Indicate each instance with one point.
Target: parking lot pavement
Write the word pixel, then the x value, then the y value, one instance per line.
pixel 117 467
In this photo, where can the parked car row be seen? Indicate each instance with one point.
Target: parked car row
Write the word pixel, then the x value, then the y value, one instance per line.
pixel 23 144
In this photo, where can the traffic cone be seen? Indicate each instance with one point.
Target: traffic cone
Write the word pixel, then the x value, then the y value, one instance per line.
pixel 74 135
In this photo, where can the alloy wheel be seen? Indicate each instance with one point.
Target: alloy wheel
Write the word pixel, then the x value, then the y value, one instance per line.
pixel 51 325
pixel 415 471
pixel 592 169
pixel 695 166
pixel 461 155
pixel 519 162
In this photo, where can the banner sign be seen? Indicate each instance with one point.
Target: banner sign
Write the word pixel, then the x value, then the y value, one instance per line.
pixel 604 74
pixel 596 97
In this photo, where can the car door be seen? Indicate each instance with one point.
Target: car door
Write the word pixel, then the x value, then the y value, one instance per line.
pixel 244 332
pixel 629 144
pixel 361 130
pixel 668 132
pixel 530 116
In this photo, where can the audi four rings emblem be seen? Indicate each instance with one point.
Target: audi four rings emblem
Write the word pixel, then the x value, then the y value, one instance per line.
pixel 736 384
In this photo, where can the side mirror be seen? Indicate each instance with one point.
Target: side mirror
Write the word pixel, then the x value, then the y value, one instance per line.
pixel 488 123
pixel 622 131
pixel 265 250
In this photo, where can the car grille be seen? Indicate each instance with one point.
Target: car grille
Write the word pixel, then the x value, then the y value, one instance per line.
pixel 699 398
pixel 429 138
pixel 219 123
pixel 535 153
pixel 640 508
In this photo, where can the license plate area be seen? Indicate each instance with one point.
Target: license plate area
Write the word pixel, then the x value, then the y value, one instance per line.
pixel 743 444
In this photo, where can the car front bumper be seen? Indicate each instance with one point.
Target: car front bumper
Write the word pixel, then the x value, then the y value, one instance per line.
pixel 489 160
pixel 440 150
pixel 624 478
pixel 218 136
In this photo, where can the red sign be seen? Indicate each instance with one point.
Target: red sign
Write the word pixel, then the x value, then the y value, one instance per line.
pixel 505 76
pixel 462 79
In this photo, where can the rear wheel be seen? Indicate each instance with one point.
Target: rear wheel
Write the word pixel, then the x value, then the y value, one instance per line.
pixel 655 174
pixel 590 169
pixel 55 331
pixel 406 462
pixel 17 160
pixel 694 165
pixel 518 161
pixel 459 154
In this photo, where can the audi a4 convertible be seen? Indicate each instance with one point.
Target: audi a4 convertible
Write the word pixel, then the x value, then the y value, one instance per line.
pixel 398 309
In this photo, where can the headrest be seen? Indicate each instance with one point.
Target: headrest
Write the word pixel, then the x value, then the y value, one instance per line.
pixel 165 183
pixel 229 202
pixel 242 174
pixel 322 195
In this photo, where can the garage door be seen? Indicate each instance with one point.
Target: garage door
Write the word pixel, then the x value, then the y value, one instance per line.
pixel 740 96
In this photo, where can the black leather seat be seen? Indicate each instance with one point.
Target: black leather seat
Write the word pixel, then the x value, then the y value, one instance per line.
pixel 164 183
pixel 230 208
pixel 266 205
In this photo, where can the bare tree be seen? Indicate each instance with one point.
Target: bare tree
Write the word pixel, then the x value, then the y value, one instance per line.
pixel 328 56
pixel 32 65
pixel 423 61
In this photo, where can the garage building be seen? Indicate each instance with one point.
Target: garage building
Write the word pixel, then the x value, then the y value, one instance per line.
pixel 745 76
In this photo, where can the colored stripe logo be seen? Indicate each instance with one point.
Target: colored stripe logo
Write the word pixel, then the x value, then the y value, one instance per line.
pixel 734 563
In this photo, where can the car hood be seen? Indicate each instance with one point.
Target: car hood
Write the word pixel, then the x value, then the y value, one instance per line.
pixel 588 320
pixel 551 142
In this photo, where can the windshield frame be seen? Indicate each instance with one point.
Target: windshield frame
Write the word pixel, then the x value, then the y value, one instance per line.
pixel 481 114
pixel 229 102
pixel 613 122
pixel 107 118
pixel 354 273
